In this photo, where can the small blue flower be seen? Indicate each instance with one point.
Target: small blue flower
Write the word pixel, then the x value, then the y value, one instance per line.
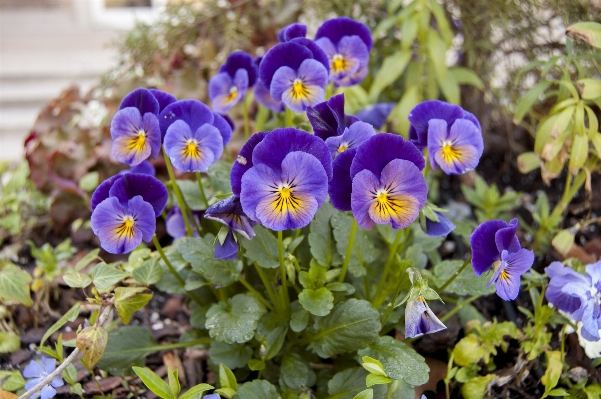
pixel 35 372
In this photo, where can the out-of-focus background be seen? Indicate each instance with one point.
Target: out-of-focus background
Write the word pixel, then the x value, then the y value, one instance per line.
pixel 48 45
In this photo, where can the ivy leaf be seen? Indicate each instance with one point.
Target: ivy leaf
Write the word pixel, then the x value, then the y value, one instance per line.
pixel 319 302
pixel 11 380
pixel 262 249
pixel 271 333
pixel 92 342
pixel 199 252
pixel 127 346
pixel 129 300
pixel 236 320
pixel 149 273
pixel 364 250
pixel 299 318
pixel 154 383
pixel 351 325
pixel 105 276
pixel 321 240
pixel 467 283
pixel 231 355
pixel 77 280
pixel 14 285
pixel 86 260
pixel 258 389
pixel 400 361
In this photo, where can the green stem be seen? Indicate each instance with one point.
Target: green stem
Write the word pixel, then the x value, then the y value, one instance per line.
pixel 390 307
pixel 458 307
pixel 178 194
pixel 569 192
pixel 201 188
pixel 270 292
pixel 288 117
pixel 172 269
pixel 256 293
pixel 186 344
pixel 329 91
pixel 457 273
pixel 380 294
pixel 349 250
pixel 245 115
pixel 283 274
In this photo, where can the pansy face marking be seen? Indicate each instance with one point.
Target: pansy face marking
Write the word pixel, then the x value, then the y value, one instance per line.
pixel 191 150
pixel 126 228
pixel 136 137
pixel 338 64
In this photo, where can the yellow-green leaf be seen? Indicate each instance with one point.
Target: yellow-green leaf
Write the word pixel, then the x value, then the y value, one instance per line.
pixel 173 378
pixel 14 285
pixel 476 387
pixel 373 366
pixel 528 161
pixel 373 379
pixel 92 342
pixel 528 100
pixel 468 350
pixel 77 280
pixel 129 300
pixel 154 383
pixel 391 69
pixel 195 391
pixel 563 241
pixel 590 32
pixel 578 153
pixel 589 88
pixel 69 316
pixel 554 370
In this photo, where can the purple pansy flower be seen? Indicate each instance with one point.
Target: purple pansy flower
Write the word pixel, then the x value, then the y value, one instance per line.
pixel 441 228
pixel 175 225
pixel 387 183
pixel 235 76
pixel 294 75
pixel 453 136
pixel 288 180
pixel 195 138
pixel 376 114
pixel 347 43
pixel 577 294
pixel 244 161
pixel 495 245
pixel 263 96
pixel 292 31
pixel 352 137
pixel 135 128
pixel 328 118
pixel 420 320
pixel 229 213
pixel 36 372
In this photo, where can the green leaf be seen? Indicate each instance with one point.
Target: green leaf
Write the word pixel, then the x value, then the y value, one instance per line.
pixel 295 372
pixel 154 383
pixel 373 366
pixel 437 51
pixel 11 380
pixel 127 346
pixel 468 350
pixel 174 385
pixel 364 250
pixel 563 241
pixel 219 173
pixel 467 283
pixel 299 318
pixel 392 68
pixel 195 391
pixel 400 362
pixel 89 257
pixel 528 100
pixel 256 364
pixel 321 240
pixel 351 325
pixel 69 316
pixel 129 300
pixel 466 76
pixel 373 379
pixel 89 181
pixel 319 302
pixel 554 370
pixel 258 389
pixel 346 384
pixel 236 320
pixel 367 394
pixel 227 378
pixel 590 32
pixel 271 332
pixel 149 273
pixel 9 342
pixel 105 277
pixel 14 285
pixel 476 387
pixel 191 193
pixel 76 280
pixel 92 342
pixel 262 249
pixel 231 355
pixel 589 88
pixel 578 153
pixel 528 161
pixel 411 97
pixel 199 252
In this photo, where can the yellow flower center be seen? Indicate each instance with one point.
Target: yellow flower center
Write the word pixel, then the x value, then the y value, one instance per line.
pixel 504 275
pixel 233 93
pixel 449 153
pixel 421 299
pixel 126 228
pixel 299 90
pixel 338 63
pixel 285 200
pixel 139 142
pixel 342 148
pixel 191 150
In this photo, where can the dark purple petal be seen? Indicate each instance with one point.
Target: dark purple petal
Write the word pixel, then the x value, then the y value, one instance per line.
pixel 163 98
pixel 145 168
pixel 230 213
pixel 352 137
pixel 375 153
pixel 559 277
pixel 292 31
pixel 376 114
pixel 485 245
pixel 280 142
pixel 421 114
pixel 441 228
pixel 264 98
pixel 283 54
pixel 34 370
pixel 102 191
pixel 148 187
pixel 240 60
pixel 341 185
pixel 244 161
pixel 420 320
pixel 193 112
pixel 513 265
pixel 317 53
pixel 228 250
pixel 327 118
pixel 225 125
pixel 122 228
pixel 506 239
pixel 143 100
pixel 175 224
pixel 193 151
pixel 335 29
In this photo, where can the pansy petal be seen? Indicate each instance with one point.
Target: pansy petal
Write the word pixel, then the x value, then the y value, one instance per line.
pixel 594 271
pixel 143 100
pixel 135 138
pixel 230 213
pixel 264 98
pixel 224 127
pixel 328 118
pixel 228 250
pixel 244 161
pixel 220 85
pixel 283 80
pixel 484 247
pixel 427 110
pixel 151 189
pixel 241 60
pixel 341 185
pixel 125 122
pixel 456 159
pixel 335 29
pixel 351 56
pixel 102 192
pixel 590 323
pixel 420 320
pixel 376 114
pixel 358 133
pixel 353 79
pixel 508 288
pixel 283 54
pixel 293 215
pixel 163 98
pixel 193 112
pixel 316 52
pixel 33 370
pixel 306 174
pixel 364 184
pixel 518 262
pixel 441 228
pixel 506 239
pixel 292 31
pixel 327 46
pixel 311 95
pixel 258 183
pixel 313 73
pixel 560 277
pixel 145 168
pixel 195 151
pixel 403 177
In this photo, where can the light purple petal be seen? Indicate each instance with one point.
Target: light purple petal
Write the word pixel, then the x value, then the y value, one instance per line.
pixel 49 364
pixel 420 320
pixel 594 271
pixel 351 56
pixel 507 277
pixel 518 262
pixel 224 127
pixel 151 189
pixel 352 137
pixel 193 112
pixel 590 322
pixel 135 138
pixel 300 89
pixel 457 151
pixel 193 151
pixel 327 46
pixel 364 184
pixel 264 98
pixel 57 382
pixel 441 228
pixel 143 100
pixel 244 161
pixel 227 251
pixel 175 224
pixel 423 112
pixel 32 383
pixel 34 370
pixel 258 183
pixel 306 174
pixel 283 80
pixel 560 277
pixel 289 218
pixel 48 392
pixel 341 185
